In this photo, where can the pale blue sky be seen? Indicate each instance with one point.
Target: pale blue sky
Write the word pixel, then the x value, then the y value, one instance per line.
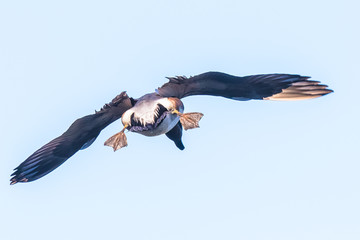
pixel 276 170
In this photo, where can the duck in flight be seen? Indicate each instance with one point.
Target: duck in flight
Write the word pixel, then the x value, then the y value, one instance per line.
pixel 162 112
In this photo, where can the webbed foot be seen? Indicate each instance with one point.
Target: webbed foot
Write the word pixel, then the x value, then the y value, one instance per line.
pixel 117 141
pixel 189 120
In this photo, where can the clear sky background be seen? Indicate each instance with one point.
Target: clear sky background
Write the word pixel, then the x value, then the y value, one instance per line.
pixel 254 170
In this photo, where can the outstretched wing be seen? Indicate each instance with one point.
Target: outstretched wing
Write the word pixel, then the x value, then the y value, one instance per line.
pixel 263 86
pixel 80 135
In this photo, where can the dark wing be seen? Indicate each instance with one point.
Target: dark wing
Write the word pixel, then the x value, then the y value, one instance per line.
pixel 81 134
pixel 263 86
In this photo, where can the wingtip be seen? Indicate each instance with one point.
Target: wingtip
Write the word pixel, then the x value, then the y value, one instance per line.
pixel 14 180
pixel 300 90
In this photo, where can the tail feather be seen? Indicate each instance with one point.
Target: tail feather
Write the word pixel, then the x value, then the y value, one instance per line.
pixel 175 135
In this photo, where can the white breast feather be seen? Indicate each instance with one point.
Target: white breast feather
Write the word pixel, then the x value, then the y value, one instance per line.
pixel 145 110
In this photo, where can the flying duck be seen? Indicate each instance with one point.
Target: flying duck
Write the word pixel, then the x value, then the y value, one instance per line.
pixel 162 112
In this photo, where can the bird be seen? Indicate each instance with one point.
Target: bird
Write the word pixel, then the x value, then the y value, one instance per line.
pixel 162 112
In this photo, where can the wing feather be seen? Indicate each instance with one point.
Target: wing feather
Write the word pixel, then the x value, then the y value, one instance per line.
pixel 80 135
pixel 262 86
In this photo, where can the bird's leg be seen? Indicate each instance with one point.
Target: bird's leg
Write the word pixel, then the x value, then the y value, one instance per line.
pixel 189 120
pixel 118 140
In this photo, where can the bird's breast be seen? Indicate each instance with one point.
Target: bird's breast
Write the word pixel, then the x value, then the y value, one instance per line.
pixel 152 115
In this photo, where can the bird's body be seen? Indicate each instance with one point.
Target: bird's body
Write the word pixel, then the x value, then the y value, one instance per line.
pixel 151 115
pixel 161 112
